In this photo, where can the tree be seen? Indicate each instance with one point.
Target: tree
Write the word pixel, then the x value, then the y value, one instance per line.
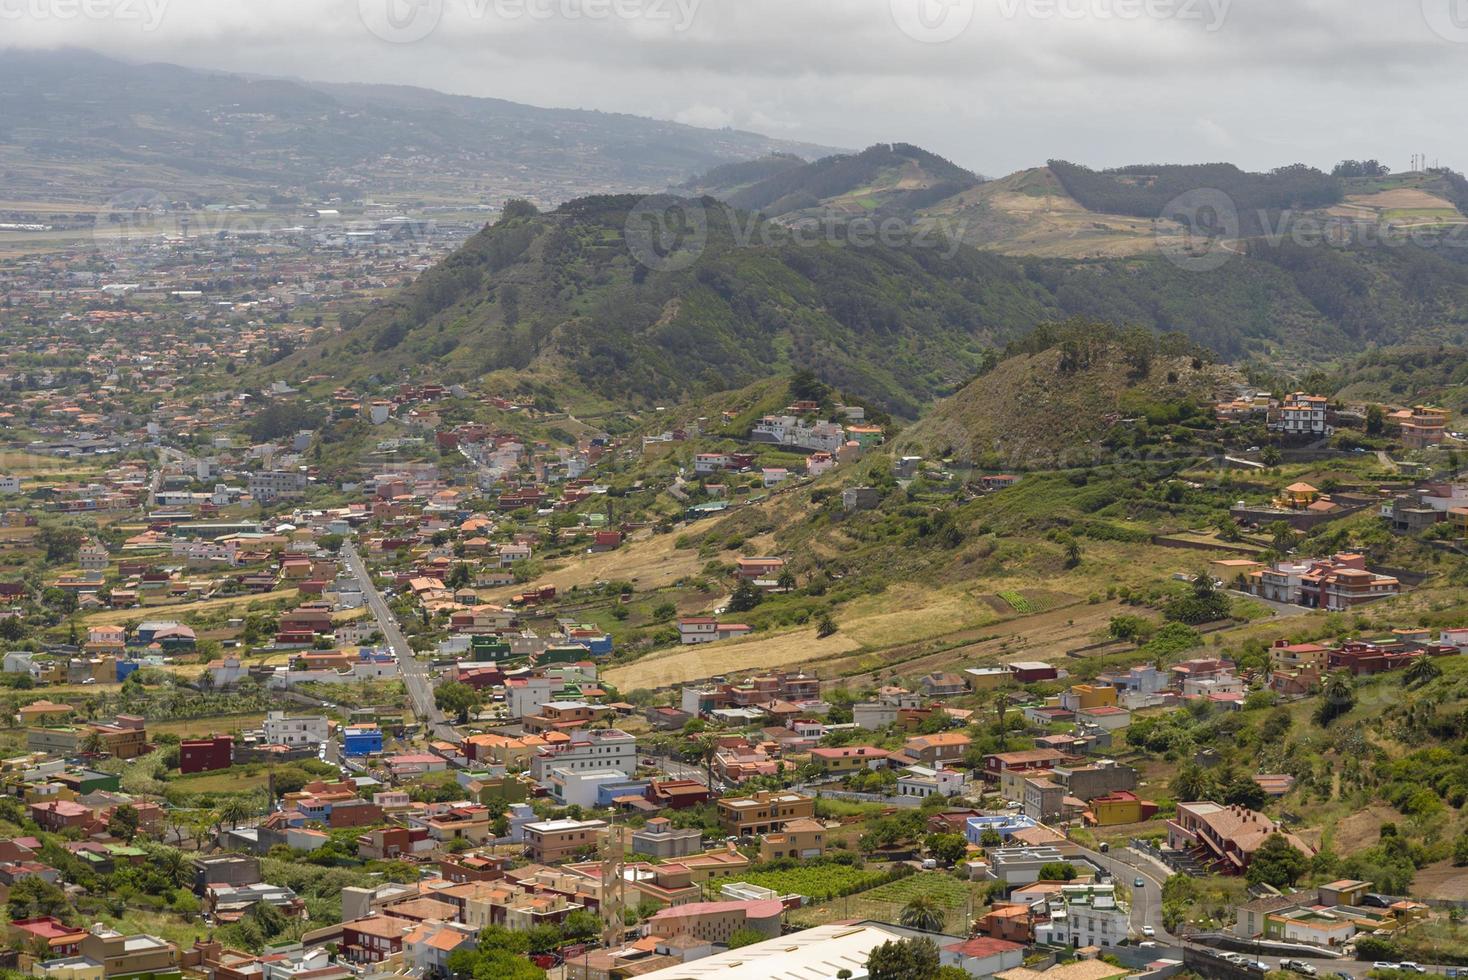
pixel 1244 791
pixel 1073 553
pixel 745 937
pixel 904 959
pixel 1132 629
pixel 32 897
pixel 1277 863
pixel 458 698
pixel 1058 871
pixel 947 848
pixel 235 810
pixel 825 627
pixel 1423 670
pixel 123 823
pixel 745 598
pixel 1282 537
pixel 923 913
pixel 581 924
pixel 1191 783
pixel 93 743
pixel 1337 697
pixel 1375 420
pixel 1271 456
pixel 60 542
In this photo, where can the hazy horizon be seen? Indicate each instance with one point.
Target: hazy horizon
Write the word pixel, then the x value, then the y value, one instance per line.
pixel 994 85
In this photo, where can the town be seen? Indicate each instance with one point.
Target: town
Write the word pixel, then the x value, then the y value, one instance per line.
pixel 430 680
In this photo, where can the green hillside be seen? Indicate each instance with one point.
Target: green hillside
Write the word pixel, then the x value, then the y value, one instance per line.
pixel 561 298
pixel 887 179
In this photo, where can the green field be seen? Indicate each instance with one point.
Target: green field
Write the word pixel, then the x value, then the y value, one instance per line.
pixel 817 882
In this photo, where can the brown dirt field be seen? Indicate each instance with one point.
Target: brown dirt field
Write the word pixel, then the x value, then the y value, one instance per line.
pixel 1443 881
pixel 1043 636
pixel 694 663
pixel 1358 831
pixel 649 563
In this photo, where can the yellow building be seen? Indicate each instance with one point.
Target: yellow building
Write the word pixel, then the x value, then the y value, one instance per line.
pixel 1118 808
pixel 1089 696
pixel 800 839
pixel 1299 495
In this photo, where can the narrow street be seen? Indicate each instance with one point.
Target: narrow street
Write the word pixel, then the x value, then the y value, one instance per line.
pixel 415 674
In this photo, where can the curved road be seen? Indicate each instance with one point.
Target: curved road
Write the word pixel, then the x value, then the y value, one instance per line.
pixel 415 674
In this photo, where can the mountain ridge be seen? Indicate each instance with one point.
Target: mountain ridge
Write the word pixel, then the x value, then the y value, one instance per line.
pixel 215 134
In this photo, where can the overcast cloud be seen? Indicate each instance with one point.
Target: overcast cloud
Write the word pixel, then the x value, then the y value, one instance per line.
pixel 995 85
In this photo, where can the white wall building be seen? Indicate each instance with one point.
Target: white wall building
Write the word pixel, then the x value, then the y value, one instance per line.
pixel 283 729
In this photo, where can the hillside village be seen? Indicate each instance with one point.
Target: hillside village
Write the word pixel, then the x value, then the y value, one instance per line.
pixel 426 679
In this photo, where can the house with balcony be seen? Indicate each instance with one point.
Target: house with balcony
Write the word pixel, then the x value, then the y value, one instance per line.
pixel 1224 838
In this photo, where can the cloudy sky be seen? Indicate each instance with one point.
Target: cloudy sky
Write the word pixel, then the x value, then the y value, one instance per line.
pixel 996 85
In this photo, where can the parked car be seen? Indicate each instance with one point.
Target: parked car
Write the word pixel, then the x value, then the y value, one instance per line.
pixel 1149 932
pixel 1410 967
pixel 1384 965
pixel 1298 966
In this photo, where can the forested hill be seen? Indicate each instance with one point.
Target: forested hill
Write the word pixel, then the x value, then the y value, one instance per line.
pixel 894 178
pixel 560 297
pixel 1147 191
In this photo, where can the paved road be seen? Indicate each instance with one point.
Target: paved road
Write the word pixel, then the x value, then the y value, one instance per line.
pixel 1326 967
pixel 1126 867
pixel 415 673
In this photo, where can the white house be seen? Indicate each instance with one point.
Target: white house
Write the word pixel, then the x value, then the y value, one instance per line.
pixel 923 782
pixel 1085 915
pixel 693 631
pixel 282 729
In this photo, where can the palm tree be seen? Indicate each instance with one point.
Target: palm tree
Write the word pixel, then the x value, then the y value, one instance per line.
pixel 924 913
pixel 1424 670
pixel 1001 708
pixel 94 743
pixel 235 809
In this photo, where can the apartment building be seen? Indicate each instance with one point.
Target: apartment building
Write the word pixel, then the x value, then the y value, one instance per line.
pixel 764 812
pixel 587 750
pixel 1302 414
pixel 548 841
